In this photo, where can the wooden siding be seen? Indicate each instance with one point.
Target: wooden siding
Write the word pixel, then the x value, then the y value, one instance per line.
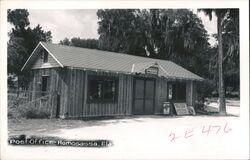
pixel 194 93
pixel 71 86
pixel 57 86
pixel 38 62
pixel 78 105
pixel 161 94
pixel 191 93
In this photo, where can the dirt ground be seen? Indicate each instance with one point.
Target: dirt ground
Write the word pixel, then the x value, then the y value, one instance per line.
pixel 144 137
pixel 50 126
pixel 139 137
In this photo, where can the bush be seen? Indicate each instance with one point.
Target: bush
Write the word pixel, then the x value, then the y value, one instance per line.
pixel 19 106
pixel 35 113
pixel 32 112
pixel 199 106
pixel 28 112
pixel 206 88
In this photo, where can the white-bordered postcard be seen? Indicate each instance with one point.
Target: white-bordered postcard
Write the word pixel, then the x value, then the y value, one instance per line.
pixel 124 79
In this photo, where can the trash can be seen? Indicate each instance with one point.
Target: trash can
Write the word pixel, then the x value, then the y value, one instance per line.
pixel 166 108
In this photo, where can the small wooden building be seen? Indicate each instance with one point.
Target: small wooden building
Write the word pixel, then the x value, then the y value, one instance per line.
pixel 91 82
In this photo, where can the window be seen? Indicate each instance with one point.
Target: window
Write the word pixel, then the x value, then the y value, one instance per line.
pixel 177 91
pixel 45 57
pixel 102 89
pixel 44 84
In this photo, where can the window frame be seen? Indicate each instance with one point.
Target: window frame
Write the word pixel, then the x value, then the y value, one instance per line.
pixel 47 84
pixel 45 56
pixel 175 94
pixel 102 78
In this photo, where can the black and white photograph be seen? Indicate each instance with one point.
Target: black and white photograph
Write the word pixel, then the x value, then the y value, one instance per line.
pixel 124 80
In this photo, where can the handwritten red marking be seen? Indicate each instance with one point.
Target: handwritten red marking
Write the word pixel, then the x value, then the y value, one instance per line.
pixel 188 133
pixel 219 127
pixel 174 137
pixel 206 131
pixel 227 130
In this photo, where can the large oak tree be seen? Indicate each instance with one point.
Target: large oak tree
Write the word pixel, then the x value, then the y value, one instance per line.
pixel 171 34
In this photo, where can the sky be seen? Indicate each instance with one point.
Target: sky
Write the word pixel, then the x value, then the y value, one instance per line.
pixel 66 23
pixel 84 23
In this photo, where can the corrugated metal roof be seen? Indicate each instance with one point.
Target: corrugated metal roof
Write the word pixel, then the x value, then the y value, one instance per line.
pixel 111 61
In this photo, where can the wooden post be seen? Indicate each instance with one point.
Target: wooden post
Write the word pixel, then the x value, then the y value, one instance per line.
pixel 57 105
pixel 191 93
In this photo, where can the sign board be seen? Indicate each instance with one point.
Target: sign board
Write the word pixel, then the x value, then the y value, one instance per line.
pixel 181 109
pixel 153 70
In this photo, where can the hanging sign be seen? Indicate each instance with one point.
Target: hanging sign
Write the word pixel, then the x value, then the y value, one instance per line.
pixel 152 70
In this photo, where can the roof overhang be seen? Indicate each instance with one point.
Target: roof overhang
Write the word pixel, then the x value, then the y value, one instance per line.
pixel 136 73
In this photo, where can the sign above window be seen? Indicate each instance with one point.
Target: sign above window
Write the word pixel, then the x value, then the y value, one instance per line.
pixel 152 70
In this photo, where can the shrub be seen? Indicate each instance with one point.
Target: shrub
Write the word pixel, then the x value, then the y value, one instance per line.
pixel 32 112
pixel 27 111
pixel 199 106
pixel 206 88
pixel 19 106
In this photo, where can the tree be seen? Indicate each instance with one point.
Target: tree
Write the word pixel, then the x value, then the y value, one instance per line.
pixel 65 41
pixel 19 18
pixel 78 42
pixel 176 35
pixel 179 36
pixel 22 42
pixel 119 31
pixel 222 16
pixel 231 49
pixel 85 43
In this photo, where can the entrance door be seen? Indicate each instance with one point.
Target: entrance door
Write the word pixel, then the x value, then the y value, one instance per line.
pixel 144 96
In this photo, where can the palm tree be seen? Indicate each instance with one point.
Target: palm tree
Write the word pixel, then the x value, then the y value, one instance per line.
pixel 220 13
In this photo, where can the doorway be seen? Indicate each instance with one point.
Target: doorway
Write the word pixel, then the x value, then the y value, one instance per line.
pixel 144 96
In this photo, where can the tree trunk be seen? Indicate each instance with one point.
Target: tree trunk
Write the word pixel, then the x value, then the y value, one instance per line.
pixel 222 104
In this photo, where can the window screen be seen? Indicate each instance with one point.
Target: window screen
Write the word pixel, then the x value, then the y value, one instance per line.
pixel 177 91
pixel 102 89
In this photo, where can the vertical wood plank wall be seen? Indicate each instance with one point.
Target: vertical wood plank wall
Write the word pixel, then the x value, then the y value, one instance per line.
pixel 78 105
pixel 190 98
pixel 71 85
pixel 194 94
pixel 57 84
pixel 161 94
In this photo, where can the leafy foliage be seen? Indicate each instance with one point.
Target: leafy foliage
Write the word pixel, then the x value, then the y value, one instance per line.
pixel 176 35
pixel 78 42
pixel 230 36
pixel 171 34
pixel 33 112
pixel 231 48
pixel 22 42
pixel 227 28
pixel 65 41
